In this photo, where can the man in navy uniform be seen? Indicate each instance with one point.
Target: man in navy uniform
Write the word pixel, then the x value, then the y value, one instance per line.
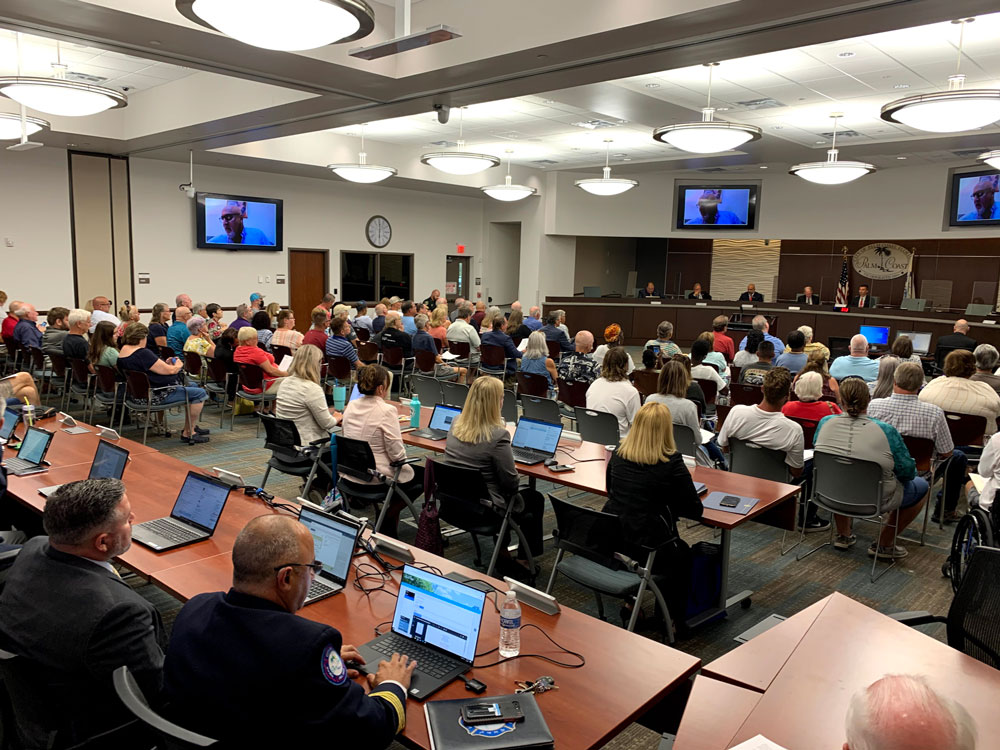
pixel 751 294
pixel 242 667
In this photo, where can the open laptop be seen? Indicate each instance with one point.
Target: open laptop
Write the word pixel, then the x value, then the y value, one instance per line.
pixel 195 515
pixel 921 340
pixel 335 539
pixel 437 622
pixel 30 457
pixel 109 463
pixel 535 440
pixel 440 423
pixel 10 420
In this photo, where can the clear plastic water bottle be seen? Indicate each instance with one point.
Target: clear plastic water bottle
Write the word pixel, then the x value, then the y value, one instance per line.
pixel 510 626
pixel 415 411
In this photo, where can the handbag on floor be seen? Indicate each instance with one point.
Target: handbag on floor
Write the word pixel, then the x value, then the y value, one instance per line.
pixel 429 536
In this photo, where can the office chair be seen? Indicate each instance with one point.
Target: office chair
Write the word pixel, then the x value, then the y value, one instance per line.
pixel 169 736
pixel 289 456
pixel 357 470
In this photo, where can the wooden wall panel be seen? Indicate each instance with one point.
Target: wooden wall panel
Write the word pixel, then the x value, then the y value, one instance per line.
pixel 688 260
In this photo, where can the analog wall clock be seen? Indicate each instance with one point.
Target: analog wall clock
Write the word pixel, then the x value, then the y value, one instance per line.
pixel 378 231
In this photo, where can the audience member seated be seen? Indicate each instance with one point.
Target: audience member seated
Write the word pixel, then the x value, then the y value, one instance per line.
pixel 534 319
pixel 214 325
pixel 102 312
pixel 183 300
pixel 808 388
pixel 694 391
pixel 664 332
pixel 67 612
pixel 794 359
pixel 302 399
pixel 915 418
pixel 74 343
pixel 393 334
pixel 409 311
pixel 958 338
pixel 453 315
pixel 613 393
pixel 714 358
pixel 857 363
pixel 701 371
pixel 811 346
pixel 11 320
pixel 20 386
pixel 580 366
pixel 27 332
pixel 199 339
pixel 955 391
pixel 760 323
pixel 438 325
pixel 850 434
pixel 553 330
pixel 248 353
pixel 902 712
pixel 649 489
pixel 210 690
pixel 517 328
pixel 55 331
pixel 423 341
pixel 159 322
pixel 536 360
pixel 672 390
pixel 256 302
pixel 987 359
pixel 127 314
pixel 753 374
pixel 460 331
pixel 178 332
pixel 272 311
pixel 102 346
pixel 361 317
pixel 748 354
pixel 163 375
pixel 902 348
pixel 498 337
pixel 317 335
pixel 882 387
pixel 261 322
pixel 817 363
pixel 225 348
pixel 478 439
pixel 243 315
pixel 378 322
pixel 613 338
pixel 285 334
pixel 477 317
pixel 723 342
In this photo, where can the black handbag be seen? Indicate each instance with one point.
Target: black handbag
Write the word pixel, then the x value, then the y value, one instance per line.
pixel 429 536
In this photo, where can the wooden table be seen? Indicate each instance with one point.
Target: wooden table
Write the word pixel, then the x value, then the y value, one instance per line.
pixel 714 713
pixel 69 449
pixel 625 673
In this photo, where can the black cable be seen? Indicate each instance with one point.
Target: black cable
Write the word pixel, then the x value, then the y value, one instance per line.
pixel 567 451
pixel 382 576
pixel 579 656
pixel 268 499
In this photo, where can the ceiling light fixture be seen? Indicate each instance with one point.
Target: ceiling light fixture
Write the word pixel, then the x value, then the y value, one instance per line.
pixel 56 95
pixel 362 171
pixel 10 126
pixel 709 136
pixel 508 192
pixel 460 162
pixel 948 111
pixel 606 185
pixel 992 158
pixel 832 171
pixel 286 25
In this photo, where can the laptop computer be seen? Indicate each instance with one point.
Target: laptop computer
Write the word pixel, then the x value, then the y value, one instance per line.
pixel 437 622
pixel 30 457
pixel 440 423
pixel 921 341
pixel 109 463
pixel 10 420
pixel 334 538
pixel 195 515
pixel 535 440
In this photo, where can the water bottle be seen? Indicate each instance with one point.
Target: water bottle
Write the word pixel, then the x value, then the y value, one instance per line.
pixel 415 411
pixel 510 626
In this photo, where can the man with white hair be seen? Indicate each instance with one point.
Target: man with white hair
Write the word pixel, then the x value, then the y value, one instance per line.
pixel 987 359
pixel 759 323
pixel 75 345
pixel 903 712
pixel 453 315
pixel 856 363
pixel 462 331
pixel 102 312
pixel 811 346
pixel 534 319
pixel 27 331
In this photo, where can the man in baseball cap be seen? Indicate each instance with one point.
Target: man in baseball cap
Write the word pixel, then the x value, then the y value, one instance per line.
pixel 256 301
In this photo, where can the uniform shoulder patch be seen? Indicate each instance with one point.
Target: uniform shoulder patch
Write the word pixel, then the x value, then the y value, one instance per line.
pixel 333 666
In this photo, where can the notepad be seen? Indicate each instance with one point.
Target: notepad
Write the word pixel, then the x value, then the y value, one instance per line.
pixel 714 501
pixel 448 355
pixel 978 482
pixel 286 362
pixel 523 346
pixel 760 742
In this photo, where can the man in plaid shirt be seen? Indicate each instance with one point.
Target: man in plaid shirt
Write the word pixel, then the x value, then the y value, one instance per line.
pixel 580 366
pixel 914 418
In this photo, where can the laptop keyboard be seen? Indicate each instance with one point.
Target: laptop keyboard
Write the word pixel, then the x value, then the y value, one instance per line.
pixel 318 588
pixel 17 464
pixel 162 527
pixel 429 661
pixel 526 455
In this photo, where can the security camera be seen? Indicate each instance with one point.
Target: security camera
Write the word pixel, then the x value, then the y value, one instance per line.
pixel 188 189
pixel 443 112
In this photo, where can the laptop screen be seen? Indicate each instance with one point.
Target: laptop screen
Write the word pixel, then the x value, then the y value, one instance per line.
pixel 537 435
pixel 355 393
pixel 921 340
pixel 443 416
pixel 10 419
pixel 109 461
pixel 876 335
pixel 201 501
pixel 439 611
pixel 333 540
pixel 35 443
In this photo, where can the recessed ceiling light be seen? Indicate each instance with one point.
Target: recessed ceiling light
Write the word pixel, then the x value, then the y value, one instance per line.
pixel 901 86
pixel 820 143
pixel 778 127
pixel 763 166
pixel 652 85
pixel 845 55
pixel 901 158
pixel 623 122
pixel 722 109
pixel 155 42
pixel 544 101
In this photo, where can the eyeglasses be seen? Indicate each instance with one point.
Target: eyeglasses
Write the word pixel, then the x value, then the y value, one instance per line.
pixel 982 193
pixel 230 217
pixel 316 566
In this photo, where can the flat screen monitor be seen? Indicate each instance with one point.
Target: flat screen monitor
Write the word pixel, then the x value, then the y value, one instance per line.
pixel 974 199
pixel 238 222
pixel 716 207
pixel 921 340
pixel 876 335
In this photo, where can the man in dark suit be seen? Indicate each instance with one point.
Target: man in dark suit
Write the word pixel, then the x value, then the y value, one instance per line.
pixel 958 338
pixel 696 292
pixel 649 291
pixel 863 299
pixel 751 294
pixel 67 612
pixel 553 332
pixel 232 654
pixel 807 297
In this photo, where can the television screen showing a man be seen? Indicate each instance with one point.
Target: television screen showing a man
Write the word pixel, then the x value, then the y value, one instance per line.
pixel 237 222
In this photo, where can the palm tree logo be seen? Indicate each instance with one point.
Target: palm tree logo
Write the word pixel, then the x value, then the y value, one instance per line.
pixel 884 253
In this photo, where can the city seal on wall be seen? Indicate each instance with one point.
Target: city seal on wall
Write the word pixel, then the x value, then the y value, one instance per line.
pixel 882 260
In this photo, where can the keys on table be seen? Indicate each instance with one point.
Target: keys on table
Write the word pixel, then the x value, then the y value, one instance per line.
pixel 538 686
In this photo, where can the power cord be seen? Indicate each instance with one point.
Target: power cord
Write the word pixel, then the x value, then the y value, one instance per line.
pixel 268 499
pixel 579 656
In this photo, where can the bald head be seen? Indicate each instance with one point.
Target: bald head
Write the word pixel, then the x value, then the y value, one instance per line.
pixel 182 299
pixel 515 305
pixel 584 341
pixel 859 345
pixel 961 326
pixel 183 313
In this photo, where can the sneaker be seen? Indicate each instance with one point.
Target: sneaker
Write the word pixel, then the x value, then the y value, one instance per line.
pixel 845 542
pixel 817 524
pixel 887 553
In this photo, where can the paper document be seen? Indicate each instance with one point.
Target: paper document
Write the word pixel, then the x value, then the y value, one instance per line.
pixel 706 435
pixel 978 482
pixel 807 454
pixel 448 355
pixel 286 362
pixel 760 742
pixel 523 345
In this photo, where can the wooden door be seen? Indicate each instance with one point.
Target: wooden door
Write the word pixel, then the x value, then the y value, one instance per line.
pixel 307 275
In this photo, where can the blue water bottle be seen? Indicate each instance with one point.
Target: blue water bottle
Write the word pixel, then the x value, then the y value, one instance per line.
pixel 415 411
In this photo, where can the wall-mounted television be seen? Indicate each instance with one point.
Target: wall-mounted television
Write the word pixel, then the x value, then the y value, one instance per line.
pixel 238 222
pixel 974 199
pixel 716 207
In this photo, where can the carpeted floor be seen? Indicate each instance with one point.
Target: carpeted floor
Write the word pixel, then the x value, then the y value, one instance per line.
pixel 780 584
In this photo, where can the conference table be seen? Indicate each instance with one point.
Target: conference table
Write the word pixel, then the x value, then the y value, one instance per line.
pixel 793 683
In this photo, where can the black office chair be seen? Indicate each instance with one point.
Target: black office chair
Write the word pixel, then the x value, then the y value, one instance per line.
pixel 597 426
pixel 169 736
pixel 508 410
pixel 289 456
pixel 540 408
pixel 356 468
pixel 453 394
pixel 428 389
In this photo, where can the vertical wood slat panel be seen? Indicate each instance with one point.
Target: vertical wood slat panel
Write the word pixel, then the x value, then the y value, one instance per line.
pixel 736 263
pixel 92 231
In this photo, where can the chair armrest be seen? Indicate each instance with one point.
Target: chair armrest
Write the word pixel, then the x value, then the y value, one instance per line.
pixel 627 561
pixel 403 462
pixel 913 619
pixel 321 441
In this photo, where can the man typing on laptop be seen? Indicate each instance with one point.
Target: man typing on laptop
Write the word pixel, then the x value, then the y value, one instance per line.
pixel 232 655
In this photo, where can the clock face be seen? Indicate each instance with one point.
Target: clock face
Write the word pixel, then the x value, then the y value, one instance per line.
pixel 379 232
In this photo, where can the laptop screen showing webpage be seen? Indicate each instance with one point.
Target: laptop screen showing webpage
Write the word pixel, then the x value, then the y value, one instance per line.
pixel 333 541
pixel 921 340
pixel 438 611
pixel 109 462
pixel 443 416
pixel 34 444
pixel 201 501
pixel 537 435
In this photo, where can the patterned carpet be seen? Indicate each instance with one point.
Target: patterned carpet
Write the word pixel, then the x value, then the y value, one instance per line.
pixel 781 584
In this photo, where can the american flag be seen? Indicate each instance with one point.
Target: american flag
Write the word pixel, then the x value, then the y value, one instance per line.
pixel 844 287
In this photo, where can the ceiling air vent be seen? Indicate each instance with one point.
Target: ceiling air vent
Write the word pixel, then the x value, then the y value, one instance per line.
pixel 444 144
pixel 844 134
pixel 765 103
pixel 84 77
pixel 595 124
pixel 544 162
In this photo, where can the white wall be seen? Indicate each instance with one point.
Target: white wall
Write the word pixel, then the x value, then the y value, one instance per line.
pixel 502 264
pixel 604 262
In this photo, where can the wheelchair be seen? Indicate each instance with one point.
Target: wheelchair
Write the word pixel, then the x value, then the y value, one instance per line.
pixel 978 528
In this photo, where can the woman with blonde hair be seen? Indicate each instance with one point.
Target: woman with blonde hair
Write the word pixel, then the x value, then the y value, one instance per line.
pixel 301 397
pixel 127 314
pixel 713 357
pixel 438 326
pixel 272 311
pixel 536 359
pixel 479 439
pixel 649 489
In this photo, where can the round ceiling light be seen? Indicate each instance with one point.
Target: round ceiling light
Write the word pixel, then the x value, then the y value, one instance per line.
pixel 708 136
pixel 992 158
pixel 946 111
pixel 508 192
pixel 10 126
pixel 459 162
pixel 286 25
pixel 606 185
pixel 832 171
pixel 361 172
pixel 57 96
